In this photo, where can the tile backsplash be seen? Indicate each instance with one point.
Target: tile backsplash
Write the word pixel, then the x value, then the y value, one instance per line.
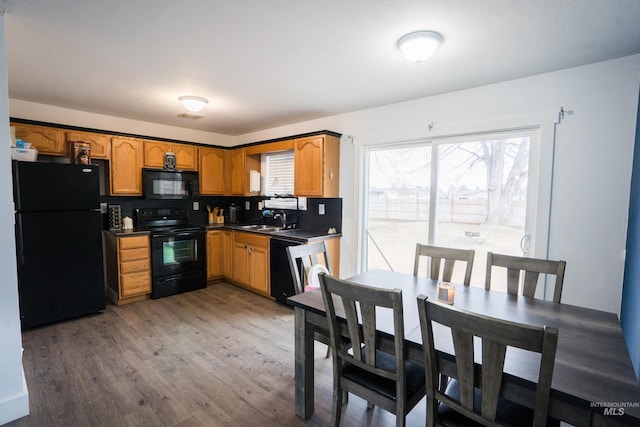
pixel 309 219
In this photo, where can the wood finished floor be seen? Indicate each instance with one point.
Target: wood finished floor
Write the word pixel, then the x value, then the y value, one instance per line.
pixel 220 356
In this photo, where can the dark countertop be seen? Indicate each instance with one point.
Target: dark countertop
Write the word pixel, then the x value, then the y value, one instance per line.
pixel 295 234
pixel 123 233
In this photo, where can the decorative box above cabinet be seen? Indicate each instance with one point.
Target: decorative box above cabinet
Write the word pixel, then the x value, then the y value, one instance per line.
pixel 317 166
pixel 186 155
pixel 100 143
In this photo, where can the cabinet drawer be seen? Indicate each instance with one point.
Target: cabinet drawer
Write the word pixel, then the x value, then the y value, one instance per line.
pixel 135 284
pixel 134 266
pixel 253 240
pixel 134 254
pixel 134 242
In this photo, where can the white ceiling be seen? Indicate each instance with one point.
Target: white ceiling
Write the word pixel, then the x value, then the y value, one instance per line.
pixel 264 64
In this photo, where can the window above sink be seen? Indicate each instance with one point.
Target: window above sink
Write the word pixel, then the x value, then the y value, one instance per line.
pixel 278 178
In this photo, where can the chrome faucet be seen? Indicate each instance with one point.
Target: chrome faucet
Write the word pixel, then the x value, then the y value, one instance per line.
pixel 283 217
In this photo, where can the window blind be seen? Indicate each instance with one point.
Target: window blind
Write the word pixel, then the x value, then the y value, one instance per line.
pixel 279 180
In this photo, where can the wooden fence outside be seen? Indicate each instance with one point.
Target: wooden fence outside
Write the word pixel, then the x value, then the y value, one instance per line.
pixel 463 211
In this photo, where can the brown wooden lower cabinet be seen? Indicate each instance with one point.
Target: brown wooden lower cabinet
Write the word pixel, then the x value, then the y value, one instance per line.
pixel 251 261
pixel 243 258
pixel 214 254
pixel 128 267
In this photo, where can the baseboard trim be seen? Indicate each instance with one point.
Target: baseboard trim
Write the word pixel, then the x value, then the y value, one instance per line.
pixel 17 406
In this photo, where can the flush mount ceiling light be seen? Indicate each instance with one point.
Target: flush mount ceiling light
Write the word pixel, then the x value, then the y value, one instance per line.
pixel 419 45
pixel 193 103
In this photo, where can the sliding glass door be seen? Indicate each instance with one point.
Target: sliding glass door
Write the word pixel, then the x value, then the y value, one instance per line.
pixel 469 192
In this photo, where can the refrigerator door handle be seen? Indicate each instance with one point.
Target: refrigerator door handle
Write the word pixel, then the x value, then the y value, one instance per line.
pixel 19 240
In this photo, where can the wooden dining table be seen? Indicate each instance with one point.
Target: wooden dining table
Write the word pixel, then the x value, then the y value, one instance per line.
pixel 594 383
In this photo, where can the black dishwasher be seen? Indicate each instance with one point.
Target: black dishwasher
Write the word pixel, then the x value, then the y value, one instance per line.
pixel 281 279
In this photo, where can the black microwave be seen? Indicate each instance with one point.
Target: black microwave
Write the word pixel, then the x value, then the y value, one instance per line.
pixel 164 184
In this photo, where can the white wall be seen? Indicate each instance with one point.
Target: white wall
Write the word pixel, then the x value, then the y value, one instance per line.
pixel 14 397
pixel 591 171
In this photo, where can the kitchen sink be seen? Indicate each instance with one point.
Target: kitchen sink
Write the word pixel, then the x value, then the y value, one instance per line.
pixel 265 228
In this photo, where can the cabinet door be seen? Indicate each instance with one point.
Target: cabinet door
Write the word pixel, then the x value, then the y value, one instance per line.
pixel 100 143
pixel 135 284
pixel 240 263
pixel 126 166
pixel 211 171
pixel 259 265
pixel 154 153
pixel 227 254
pixel 45 139
pixel 186 156
pixel 237 171
pixel 214 254
pixel 308 166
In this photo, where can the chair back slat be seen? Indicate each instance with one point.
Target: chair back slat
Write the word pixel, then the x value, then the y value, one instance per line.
pixel 532 268
pixel 436 257
pixel 463 346
pixel 492 364
pixel 495 335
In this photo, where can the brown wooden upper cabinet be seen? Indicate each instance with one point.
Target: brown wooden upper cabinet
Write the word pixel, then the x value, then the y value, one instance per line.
pixel 317 166
pixel 241 164
pixel 46 140
pixel 126 166
pixel 100 143
pixel 237 171
pixel 212 176
pixel 186 155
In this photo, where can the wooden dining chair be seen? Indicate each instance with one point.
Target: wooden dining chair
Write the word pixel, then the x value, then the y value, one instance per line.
pixel 532 268
pixel 306 256
pixel 477 392
pixel 437 255
pixel 301 259
pixel 388 380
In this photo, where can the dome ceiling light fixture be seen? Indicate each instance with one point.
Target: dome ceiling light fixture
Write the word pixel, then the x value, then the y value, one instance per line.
pixel 193 103
pixel 419 45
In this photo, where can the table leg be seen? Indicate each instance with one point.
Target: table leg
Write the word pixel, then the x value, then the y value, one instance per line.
pixel 304 364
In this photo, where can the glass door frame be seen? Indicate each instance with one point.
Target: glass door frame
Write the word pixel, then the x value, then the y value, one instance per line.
pixel 541 129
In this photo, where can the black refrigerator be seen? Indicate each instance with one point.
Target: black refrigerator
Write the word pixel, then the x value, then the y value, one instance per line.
pixel 58 241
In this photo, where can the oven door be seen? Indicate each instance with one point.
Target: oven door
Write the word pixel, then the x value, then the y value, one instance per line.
pixel 177 253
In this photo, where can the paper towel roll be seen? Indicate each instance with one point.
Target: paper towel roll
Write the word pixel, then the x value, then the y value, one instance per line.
pixel 254 181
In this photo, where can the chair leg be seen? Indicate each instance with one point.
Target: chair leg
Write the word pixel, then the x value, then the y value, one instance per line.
pixel 326 356
pixel 432 412
pixel 336 406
